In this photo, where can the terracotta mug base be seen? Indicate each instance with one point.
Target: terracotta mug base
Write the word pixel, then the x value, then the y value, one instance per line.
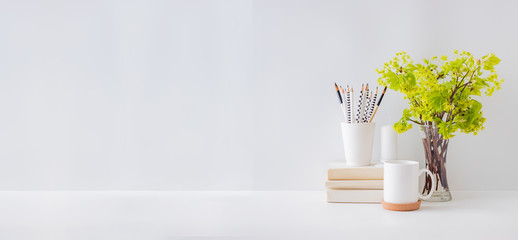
pixel 401 207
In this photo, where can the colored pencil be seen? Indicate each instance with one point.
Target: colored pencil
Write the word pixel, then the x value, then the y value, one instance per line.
pixel 378 105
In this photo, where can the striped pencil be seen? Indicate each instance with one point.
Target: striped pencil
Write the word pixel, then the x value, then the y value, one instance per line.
pixel 359 110
pixel 343 105
pixel 367 103
pixel 348 102
pixel 368 107
pixel 378 105
pixel 373 103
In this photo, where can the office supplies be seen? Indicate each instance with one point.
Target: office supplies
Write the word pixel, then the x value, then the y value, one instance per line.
pixel 373 103
pixel 348 103
pixel 345 104
pixel 343 98
pixel 366 106
pixel 360 101
pixel 339 95
pixel 378 105
pixel 341 101
pixel 367 103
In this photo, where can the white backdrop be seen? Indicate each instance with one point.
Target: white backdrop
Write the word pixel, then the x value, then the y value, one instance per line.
pixel 226 95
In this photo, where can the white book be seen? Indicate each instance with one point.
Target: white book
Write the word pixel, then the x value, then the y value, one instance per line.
pixel 354 196
pixel 355 184
pixel 340 171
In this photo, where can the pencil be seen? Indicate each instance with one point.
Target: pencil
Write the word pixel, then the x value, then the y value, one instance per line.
pixel 359 110
pixel 378 105
pixel 373 103
pixel 348 102
pixel 339 95
pixel 344 103
pixel 367 103
pixel 341 101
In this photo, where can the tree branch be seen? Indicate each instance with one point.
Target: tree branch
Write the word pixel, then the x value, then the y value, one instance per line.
pixel 458 86
pixel 416 102
pixel 415 121
pixel 470 79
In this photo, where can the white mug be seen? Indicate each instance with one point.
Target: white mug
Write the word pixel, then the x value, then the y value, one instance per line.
pixel 401 182
pixel 358 139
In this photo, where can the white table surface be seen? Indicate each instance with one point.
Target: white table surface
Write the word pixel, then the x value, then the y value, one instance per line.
pixel 247 215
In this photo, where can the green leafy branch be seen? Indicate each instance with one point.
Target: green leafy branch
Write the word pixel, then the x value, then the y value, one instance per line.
pixel 440 91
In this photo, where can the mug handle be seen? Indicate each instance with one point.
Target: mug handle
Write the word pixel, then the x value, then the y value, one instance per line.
pixel 421 171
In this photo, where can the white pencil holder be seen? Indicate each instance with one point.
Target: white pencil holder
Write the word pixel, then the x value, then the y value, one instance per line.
pixel 358 141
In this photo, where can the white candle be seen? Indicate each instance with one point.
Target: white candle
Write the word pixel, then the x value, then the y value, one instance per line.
pixel 388 143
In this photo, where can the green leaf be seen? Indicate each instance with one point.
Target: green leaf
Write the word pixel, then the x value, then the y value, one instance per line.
pixel 437 101
pixel 490 62
pixel 394 81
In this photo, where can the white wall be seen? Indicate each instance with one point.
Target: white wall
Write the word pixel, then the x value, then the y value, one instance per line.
pixel 226 95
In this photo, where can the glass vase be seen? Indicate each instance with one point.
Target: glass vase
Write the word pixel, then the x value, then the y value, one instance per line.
pixel 435 150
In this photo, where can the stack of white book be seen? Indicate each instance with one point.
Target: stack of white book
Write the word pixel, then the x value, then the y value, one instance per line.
pixel 354 184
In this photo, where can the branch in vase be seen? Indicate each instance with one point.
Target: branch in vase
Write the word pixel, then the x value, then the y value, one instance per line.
pixel 414 121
